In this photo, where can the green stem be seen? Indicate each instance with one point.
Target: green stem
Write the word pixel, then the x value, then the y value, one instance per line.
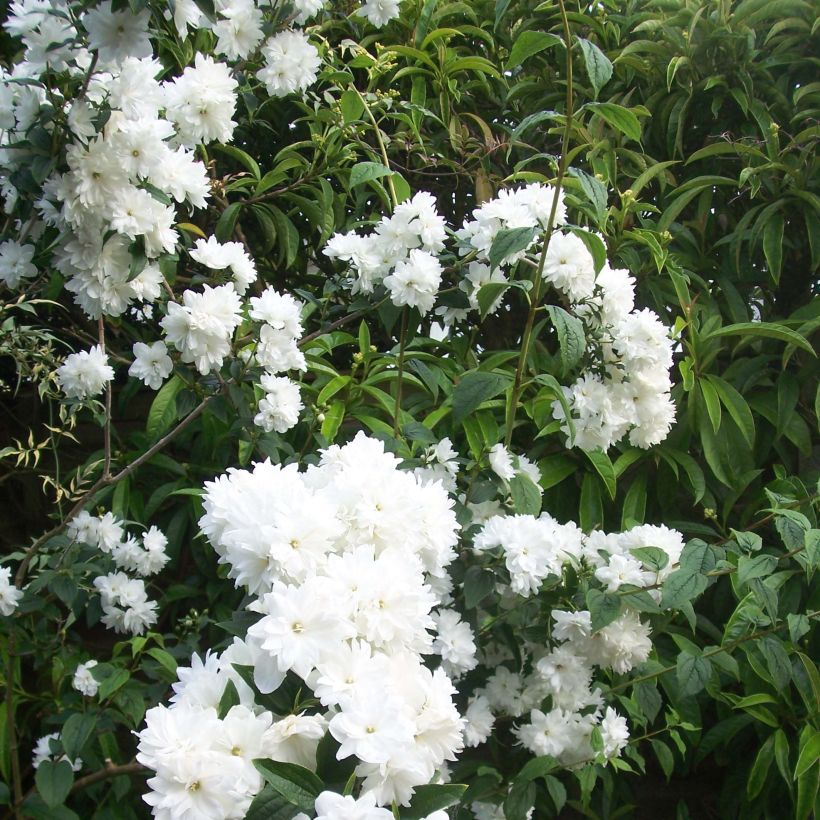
pixel 535 296
pixel 382 148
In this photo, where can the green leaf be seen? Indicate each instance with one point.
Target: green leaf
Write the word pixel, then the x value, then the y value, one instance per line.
pixel 736 405
pixel 431 798
pixel 757 566
pixel 528 43
pixel 351 106
pixel 595 191
pixel 809 751
pixel 773 244
pixel 270 805
pixel 475 387
pixel 117 679
pixel 333 418
pixel 229 699
pixel 478 584
pixel 241 157
pixel 296 784
pixel 165 659
pixel 680 587
pixel 591 508
pixel 571 339
pixel 54 780
pixel 226 223
pixel 366 171
pixel 768 330
pixel 712 402
pixel 654 558
pixel 777 661
pixel 487 295
pixel 604 607
pixel 618 117
pixel 526 496
pixel 693 672
pixel 75 733
pixel 599 68
pixel 163 412
pixel 760 769
pixel 509 242
pixel 603 466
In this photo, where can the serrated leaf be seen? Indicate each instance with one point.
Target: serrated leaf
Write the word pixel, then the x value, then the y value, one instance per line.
pixel 693 672
pixel 598 66
pixel 767 330
pixel 604 607
pixel 478 584
pixel 773 244
pixel 757 566
pixel 654 558
pixel 525 494
pixel 509 242
pixel 571 338
pixel 475 388
pixel 488 294
pixel 680 587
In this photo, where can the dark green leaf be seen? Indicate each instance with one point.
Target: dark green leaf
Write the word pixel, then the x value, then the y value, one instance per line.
pixel 431 798
pixel 296 784
pixel 599 68
pixel 54 780
pixel 475 388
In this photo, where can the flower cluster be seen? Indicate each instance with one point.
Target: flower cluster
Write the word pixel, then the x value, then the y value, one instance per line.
pixel 125 603
pixel 348 562
pixel 561 673
pixel 627 389
pixel 401 253
pixel 276 351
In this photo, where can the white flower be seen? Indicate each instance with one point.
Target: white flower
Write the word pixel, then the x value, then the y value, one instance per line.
pixel 201 328
pixel 332 806
pixel 201 102
pixel 479 721
pixel 415 282
pixel 569 266
pixel 85 374
pixel 84 682
pixel 9 594
pixel 151 363
pixel 291 63
pixel 380 12
pixel 501 462
pixel 455 643
pixel 218 256
pixel 117 35
pixel 614 732
pixel 241 29
pixel 15 263
pixel 279 409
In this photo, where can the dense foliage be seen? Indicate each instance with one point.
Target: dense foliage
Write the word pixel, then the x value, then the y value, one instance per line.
pixel 665 571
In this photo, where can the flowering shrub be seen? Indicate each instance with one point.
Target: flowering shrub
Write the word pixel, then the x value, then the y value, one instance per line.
pixel 410 443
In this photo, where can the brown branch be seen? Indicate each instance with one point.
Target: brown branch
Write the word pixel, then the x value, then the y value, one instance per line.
pixel 111 770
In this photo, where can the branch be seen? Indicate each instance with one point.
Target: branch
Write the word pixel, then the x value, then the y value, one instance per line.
pixel 111 770
pixel 105 481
